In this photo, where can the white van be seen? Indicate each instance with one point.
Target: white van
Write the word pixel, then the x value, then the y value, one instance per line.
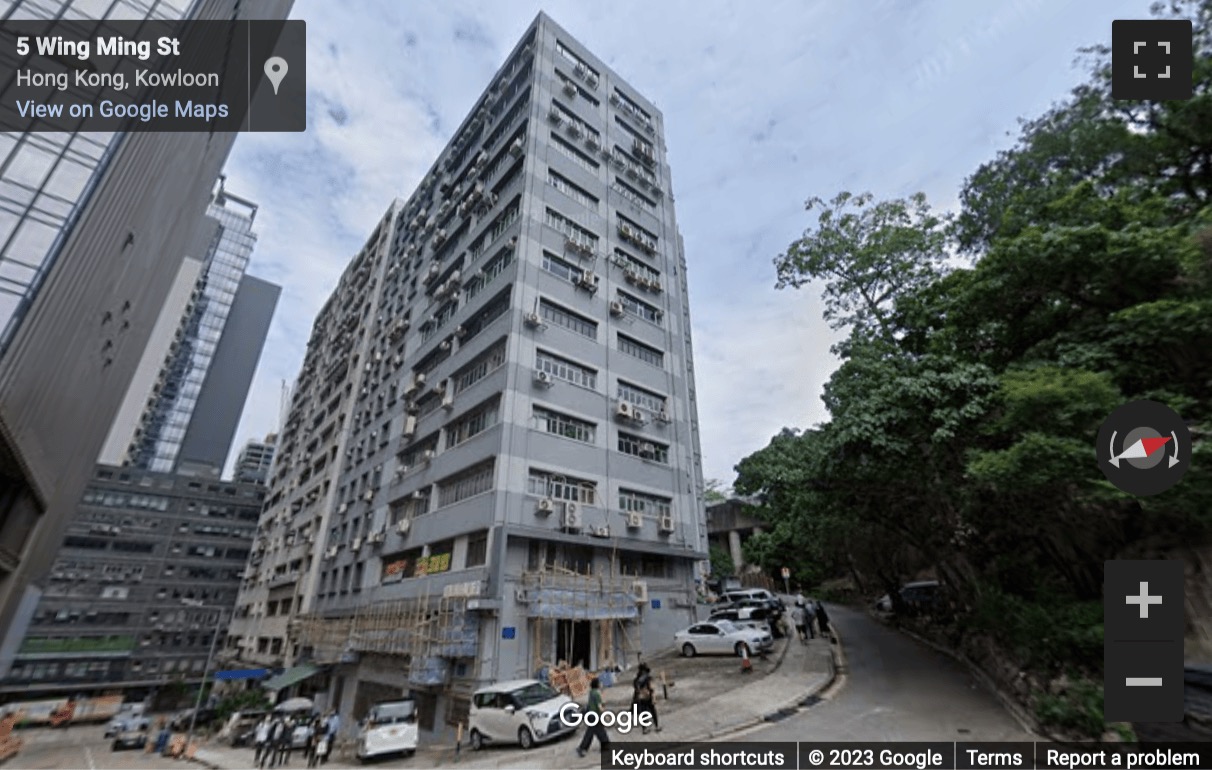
pixel 389 728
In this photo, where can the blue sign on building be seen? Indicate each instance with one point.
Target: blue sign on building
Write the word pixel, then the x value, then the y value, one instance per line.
pixel 509 632
pixel 656 604
pixel 245 673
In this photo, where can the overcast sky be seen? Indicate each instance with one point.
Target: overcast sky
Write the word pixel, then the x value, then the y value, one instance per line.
pixel 766 104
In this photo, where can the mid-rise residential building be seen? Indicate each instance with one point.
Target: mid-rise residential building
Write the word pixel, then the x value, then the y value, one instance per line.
pixel 147 574
pixel 491 461
pixel 255 460
pixel 95 229
pixel 185 402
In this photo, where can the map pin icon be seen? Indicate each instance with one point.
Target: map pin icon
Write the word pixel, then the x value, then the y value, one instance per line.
pixel 275 70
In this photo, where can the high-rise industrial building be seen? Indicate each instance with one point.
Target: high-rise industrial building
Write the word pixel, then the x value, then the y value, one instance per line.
pixel 185 401
pixel 147 574
pixel 93 232
pixel 255 460
pixel 491 459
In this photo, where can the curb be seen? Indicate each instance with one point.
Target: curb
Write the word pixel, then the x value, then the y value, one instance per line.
pixel 1016 709
pixel 790 706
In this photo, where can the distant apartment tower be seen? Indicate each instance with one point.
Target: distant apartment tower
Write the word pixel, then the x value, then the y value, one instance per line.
pixel 255 460
pixel 491 460
pixel 185 401
pixel 95 230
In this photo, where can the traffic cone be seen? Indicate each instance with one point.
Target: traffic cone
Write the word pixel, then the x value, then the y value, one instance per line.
pixel 746 665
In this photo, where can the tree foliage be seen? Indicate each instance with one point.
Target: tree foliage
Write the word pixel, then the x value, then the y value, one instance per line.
pixel 962 418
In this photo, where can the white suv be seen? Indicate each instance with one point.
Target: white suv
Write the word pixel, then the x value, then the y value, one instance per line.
pixel 525 711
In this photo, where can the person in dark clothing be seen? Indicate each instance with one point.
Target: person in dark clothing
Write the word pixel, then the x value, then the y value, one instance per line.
pixel 596 729
pixel 645 696
pixel 822 622
pixel 271 744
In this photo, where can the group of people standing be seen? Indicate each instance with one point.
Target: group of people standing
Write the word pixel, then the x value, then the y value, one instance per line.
pixel 275 738
pixel 808 616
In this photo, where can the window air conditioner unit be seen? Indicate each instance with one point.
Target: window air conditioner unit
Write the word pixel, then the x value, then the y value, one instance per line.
pixel 580 69
pixel 427 455
pixel 542 378
pixel 570 88
pixel 517 147
pixel 623 410
pixel 447 400
pixel 572 516
pixel 667 523
pixel 588 280
pixel 616 308
pixel 357 543
pixel 647 450
pixel 615 100
pixel 445 344
pixel 545 506
pixel 331 553
pixel 534 319
pixel 403 525
pixel 663 416
pixel 601 532
pixel 638 416
pixel 591 142
pixel 370 495
pixel 554 115
pixel 639 589
pixel 343 507
pixel 634 520
pixel 460 331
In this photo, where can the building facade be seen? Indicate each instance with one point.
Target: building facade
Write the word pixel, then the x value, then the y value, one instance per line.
pixel 491 460
pixel 255 460
pixel 147 574
pixel 186 416
pixel 73 327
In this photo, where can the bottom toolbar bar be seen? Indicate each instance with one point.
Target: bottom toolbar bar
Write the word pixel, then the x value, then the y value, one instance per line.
pixel 907 756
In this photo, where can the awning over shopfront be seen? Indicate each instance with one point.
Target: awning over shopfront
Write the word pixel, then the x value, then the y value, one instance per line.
pixel 243 673
pixel 568 604
pixel 290 676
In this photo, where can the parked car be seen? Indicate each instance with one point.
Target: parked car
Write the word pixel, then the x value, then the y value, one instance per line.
pixel 389 728
pixel 126 722
pixel 525 711
pixel 130 739
pixel 720 637
pixel 760 594
pixel 920 596
pixel 757 618
pixel 241 727
pixel 184 718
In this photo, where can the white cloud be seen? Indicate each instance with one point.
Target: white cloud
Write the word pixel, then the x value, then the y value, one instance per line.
pixel 765 105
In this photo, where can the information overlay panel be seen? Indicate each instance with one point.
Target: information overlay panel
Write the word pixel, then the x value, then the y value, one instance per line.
pixel 724 755
pixel 153 76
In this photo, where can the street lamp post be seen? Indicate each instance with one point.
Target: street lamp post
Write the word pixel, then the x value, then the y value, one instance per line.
pixel 214 639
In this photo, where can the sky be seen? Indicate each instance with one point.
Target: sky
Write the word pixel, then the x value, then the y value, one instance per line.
pixel 765 104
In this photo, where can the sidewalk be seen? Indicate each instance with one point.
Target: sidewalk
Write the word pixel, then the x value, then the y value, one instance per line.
pixel 794 673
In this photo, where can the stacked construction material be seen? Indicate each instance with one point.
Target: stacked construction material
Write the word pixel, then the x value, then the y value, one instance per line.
pixel 9 743
pixel 573 682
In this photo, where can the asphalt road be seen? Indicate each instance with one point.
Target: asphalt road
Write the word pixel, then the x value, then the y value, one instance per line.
pixel 78 747
pixel 897 690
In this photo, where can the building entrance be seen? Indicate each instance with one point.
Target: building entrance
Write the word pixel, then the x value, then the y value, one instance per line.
pixel 574 642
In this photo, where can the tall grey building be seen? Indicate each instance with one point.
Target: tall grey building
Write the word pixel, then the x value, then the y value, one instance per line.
pixel 255 460
pixel 491 460
pixel 184 404
pixel 93 231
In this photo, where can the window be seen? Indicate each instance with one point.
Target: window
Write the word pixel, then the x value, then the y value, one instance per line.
pixel 640 502
pixel 635 267
pixel 473 424
pixel 491 269
pixel 563 425
pixel 641 351
pixel 569 320
pixel 638 446
pixel 644 399
pixel 571 190
pixel 560 487
pixel 641 309
pixel 563 369
pixel 582 68
pixel 578 157
pixel 571 230
pixel 477 549
pixel 577 125
pixel 559 267
pixel 632 194
pixel 479 368
pixel 465 484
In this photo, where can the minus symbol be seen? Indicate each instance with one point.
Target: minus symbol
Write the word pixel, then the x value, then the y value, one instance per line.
pixel 1144 681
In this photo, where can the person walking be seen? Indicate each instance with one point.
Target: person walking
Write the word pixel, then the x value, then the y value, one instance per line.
pixel 822 622
pixel 286 741
pixel 261 740
pixel 270 754
pixel 322 747
pixel 799 617
pixel 644 697
pixel 596 729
